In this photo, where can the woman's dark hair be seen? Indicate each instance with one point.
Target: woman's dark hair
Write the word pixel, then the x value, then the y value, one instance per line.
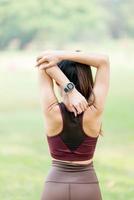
pixel 81 76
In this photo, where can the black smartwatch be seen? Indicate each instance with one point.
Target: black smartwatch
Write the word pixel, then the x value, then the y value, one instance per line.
pixel 69 87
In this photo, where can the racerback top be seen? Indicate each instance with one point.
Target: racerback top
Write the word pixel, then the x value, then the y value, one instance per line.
pixel 71 144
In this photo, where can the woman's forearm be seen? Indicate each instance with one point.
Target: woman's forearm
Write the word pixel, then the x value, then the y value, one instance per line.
pixel 92 59
pixel 56 74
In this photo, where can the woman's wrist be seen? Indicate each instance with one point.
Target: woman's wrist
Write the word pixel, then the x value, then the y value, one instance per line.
pixel 72 92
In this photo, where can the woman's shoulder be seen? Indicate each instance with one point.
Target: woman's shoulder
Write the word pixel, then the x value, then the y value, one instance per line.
pixel 53 120
pixel 54 111
pixel 92 119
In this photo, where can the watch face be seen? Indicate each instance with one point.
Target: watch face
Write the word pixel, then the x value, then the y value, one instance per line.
pixel 70 86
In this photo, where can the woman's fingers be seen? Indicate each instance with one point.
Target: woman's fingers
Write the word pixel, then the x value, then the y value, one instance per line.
pixel 82 106
pixel 74 110
pixel 85 104
pixel 46 66
pixel 45 63
pixel 41 61
pixel 78 108
pixel 50 64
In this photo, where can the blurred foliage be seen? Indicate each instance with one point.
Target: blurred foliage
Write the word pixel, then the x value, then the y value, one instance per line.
pixel 34 21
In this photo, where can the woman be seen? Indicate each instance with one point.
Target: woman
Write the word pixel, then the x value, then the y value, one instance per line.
pixel 74 124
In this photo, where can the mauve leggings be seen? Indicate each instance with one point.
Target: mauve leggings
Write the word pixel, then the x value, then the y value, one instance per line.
pixel 67 181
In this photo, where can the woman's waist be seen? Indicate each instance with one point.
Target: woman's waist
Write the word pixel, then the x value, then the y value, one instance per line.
pixel 85 162
pixel 71 172
pixel 71 166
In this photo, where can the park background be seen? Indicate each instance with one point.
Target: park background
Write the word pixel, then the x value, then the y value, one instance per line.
pixel 28 28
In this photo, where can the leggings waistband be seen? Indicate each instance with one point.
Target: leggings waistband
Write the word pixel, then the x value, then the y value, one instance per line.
pixel 72 166
pixel 64 172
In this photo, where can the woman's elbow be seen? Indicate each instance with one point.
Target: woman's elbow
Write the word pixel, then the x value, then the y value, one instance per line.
pixel 105 60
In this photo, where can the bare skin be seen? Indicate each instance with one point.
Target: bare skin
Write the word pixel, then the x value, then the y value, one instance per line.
pixel 74 101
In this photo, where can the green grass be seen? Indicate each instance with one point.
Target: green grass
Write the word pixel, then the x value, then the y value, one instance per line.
pixel 24 155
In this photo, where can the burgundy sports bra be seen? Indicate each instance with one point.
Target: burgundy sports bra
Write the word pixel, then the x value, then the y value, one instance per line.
pixel 71 144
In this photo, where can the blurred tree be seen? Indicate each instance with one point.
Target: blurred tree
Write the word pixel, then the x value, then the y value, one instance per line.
pixel 62 21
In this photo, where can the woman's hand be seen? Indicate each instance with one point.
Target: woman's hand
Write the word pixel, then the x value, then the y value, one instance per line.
pixel 77 102
pixel 49 58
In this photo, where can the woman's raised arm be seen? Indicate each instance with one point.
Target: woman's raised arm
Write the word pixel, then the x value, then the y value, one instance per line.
pixel 77 101
pixel 54 56
pixel 101 83
pixel 99 61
